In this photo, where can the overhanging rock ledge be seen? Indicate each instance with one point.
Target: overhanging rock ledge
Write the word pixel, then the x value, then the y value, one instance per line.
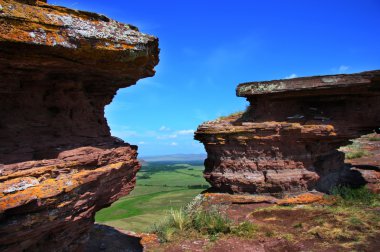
pixel 59 163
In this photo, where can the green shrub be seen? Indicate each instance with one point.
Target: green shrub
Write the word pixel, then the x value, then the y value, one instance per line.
pixel 245 229
pixel 269 233
pixel 298 225
pixel 355 221
pixel 356 196
pixel 289 237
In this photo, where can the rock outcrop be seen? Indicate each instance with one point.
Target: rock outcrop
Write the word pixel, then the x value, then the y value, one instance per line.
pixel 59 164
pixel 287 140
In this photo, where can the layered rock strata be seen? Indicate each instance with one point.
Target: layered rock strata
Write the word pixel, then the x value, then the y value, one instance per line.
pixel 287 140
pixel 59 163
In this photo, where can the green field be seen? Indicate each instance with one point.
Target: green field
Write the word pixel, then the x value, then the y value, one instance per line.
pixel 160 187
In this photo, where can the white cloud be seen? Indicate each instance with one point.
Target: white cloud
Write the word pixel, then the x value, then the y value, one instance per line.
pixel 141 142
pixel 292 76
pixel 164 128
pixel 343 69
pixel 185 132
pixel 167 133
pixel 163 137
pixel 173 144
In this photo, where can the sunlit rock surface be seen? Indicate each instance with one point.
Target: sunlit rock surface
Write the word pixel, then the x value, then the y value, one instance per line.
pixel 59 164
pixel 287 140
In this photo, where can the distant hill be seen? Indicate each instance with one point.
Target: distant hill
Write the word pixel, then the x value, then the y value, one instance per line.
pixel 143 162
pixel 175 157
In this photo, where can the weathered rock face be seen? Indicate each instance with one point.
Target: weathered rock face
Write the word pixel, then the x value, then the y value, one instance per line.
pixel 59 164
pixel 287 140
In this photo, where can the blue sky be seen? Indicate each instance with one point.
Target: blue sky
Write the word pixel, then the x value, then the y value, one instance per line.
pixel 209 47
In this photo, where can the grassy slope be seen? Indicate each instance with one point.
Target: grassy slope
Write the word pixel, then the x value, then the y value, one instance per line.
pixel 165 188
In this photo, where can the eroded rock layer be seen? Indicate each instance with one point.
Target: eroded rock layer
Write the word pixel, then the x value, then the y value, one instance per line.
pixel 287 140
pixel 59 164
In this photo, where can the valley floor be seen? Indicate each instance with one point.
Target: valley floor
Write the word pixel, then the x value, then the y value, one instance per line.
pixel 161 186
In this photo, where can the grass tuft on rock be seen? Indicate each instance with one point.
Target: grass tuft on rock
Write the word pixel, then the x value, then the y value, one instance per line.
pixel 374 137
pixel 354 150
pixel 245 229
pixel 194 220
pixel 210 222
pixel 234 115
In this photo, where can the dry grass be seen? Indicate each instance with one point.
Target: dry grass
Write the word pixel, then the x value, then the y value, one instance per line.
pixel 195 221
pixel 351 222
pixel 232 116
pixel 354 150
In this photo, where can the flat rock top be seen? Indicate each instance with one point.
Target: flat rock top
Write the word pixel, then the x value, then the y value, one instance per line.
pixel 306 83
pixel 36 22
pixel 37 37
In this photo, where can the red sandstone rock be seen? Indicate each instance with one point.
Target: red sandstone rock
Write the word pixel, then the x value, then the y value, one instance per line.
pixel 366 168
pixel 51 207
pixel 59 68
pixel 58 162
pixel 303 198
pixel 287 140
